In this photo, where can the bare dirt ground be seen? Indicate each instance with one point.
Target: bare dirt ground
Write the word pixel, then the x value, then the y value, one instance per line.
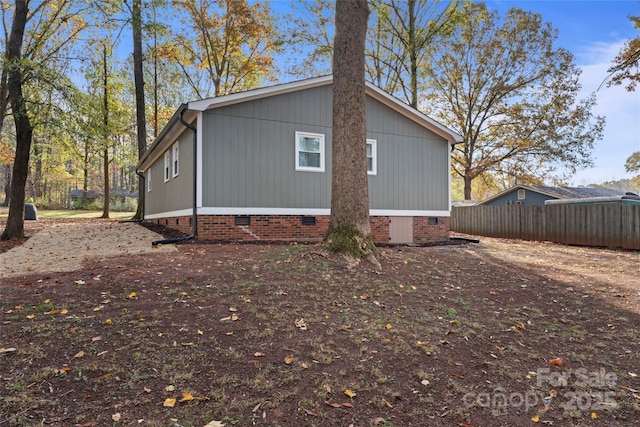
pixel 57 246
pixel 499 333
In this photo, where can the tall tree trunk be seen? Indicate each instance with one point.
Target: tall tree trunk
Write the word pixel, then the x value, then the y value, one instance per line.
pixel 85 175
pixel 349 225
pixel 14 228
pixel 7 185
pixel 413 53
pixel 140 104
pixel 467 187
pixel 105 151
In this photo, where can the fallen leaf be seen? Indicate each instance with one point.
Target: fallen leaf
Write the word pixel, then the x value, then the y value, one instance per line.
pixel 347 405
pixel 147 390
pixel 54 311
pixel 556 361
pixel 98 338
pixel 350 393
pixel 214 424
pixel 535 418
pixel 6 350
pixel 300 324
pixel 116 417
pixel 104 376
pixel 31 316
pixel 97 309
pixel 288 359
pixel 186 397
pixel 389 326
pixel 333 405
pixel 258 354
pixel 200 332
pixel 79 354
pixel 64 311
pixel 594 415
pixel 108 321
pixel 169 402
pixel 169 388
pixel 133 295
pixel 311 413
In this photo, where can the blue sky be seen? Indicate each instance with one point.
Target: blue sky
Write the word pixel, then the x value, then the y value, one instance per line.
pixel 594 31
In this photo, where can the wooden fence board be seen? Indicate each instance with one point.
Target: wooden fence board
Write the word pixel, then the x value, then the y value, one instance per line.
pixel 604 224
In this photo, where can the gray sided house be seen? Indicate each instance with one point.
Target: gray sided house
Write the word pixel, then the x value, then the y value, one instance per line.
pixel 537 195
pixel 257 166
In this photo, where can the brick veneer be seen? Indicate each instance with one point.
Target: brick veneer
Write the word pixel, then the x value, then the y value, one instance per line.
pixel 290 228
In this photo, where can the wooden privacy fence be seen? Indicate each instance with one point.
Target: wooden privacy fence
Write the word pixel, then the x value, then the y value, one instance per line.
pixel 605 224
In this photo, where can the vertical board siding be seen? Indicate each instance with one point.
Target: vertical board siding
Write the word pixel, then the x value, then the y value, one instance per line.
pixel 249 156
pixel 612 225
pixel 177 193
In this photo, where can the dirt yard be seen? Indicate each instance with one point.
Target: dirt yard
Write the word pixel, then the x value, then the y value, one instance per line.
pixel 499 333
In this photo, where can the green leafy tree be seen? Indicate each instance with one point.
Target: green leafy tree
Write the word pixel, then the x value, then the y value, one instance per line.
pixel 500 83
pixel 626 66
pixel 399 41
pixel 231 49
pixel 632 165
pixel 37 49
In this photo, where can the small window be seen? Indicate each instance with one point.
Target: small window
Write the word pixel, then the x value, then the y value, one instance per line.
pixel 432 221
pixel 308 220
pixel 167 166
pixel 521 194
pixel 176 158
pixel 149 181
pixel 242 220
pixel 309 152
pixel 372 157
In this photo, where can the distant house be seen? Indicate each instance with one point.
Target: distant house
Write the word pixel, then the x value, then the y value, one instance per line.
pixel 537 195
pixel 76 196
pixel 257 166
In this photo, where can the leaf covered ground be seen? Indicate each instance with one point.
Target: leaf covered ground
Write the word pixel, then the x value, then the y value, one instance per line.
pixel 499 333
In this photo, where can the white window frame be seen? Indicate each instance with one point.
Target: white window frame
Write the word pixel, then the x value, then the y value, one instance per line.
pixel 521 194
pixel 149 181
pixel 167 166
pixel 175 150
pixel 374 157
pixel 322 152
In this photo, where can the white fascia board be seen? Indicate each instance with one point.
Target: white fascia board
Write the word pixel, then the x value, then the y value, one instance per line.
pixel 413 114
pixel 166 139
pixel 221 101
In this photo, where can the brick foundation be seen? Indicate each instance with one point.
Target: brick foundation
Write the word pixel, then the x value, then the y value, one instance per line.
pixel 296 228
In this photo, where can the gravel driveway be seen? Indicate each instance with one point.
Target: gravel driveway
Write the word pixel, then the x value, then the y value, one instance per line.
pixel 65 246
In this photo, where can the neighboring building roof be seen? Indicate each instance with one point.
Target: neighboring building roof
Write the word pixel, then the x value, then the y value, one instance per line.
pixel 190 110
pixel 561 192
pixel 91 194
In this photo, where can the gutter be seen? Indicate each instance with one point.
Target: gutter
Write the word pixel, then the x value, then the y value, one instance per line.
pixel 194 220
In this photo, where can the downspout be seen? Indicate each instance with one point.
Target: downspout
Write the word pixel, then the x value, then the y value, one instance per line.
pixel 194 219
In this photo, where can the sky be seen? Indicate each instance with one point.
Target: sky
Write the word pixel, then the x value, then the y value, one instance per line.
pixel 594 31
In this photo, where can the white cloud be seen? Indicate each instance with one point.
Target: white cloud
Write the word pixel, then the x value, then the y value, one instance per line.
pixel 621 109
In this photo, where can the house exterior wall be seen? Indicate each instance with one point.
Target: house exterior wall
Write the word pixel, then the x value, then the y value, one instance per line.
pixel 249 156
pixel 291 228
pixel 532 198
pixel 177 193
